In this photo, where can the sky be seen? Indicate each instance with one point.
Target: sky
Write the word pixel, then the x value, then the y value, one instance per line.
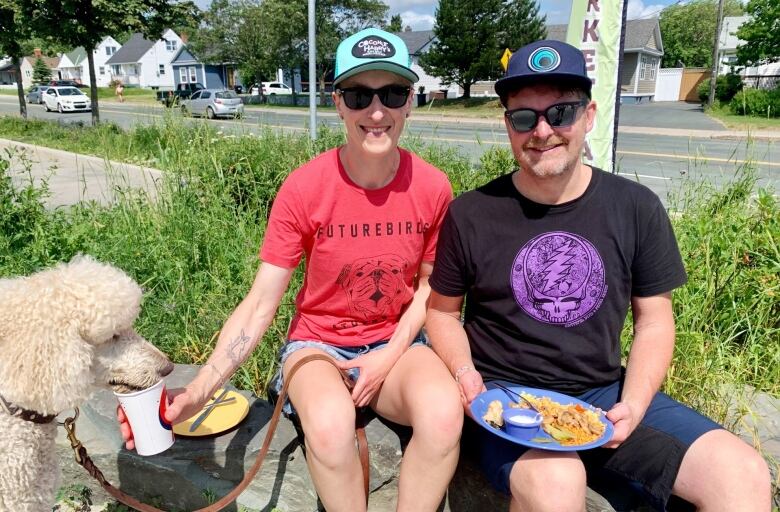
pixel 420 14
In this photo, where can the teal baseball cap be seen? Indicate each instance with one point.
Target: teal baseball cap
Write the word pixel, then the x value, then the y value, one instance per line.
pixel 373 49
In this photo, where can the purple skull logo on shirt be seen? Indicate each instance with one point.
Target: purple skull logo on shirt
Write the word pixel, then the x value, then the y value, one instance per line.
pixel 558 278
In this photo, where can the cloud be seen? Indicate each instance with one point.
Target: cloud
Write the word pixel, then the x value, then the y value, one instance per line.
pixel 400 5
pixel 638 9
pixel 417 21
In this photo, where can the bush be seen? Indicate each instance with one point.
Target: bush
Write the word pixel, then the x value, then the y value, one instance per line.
pixel 725 88
pixel 756 102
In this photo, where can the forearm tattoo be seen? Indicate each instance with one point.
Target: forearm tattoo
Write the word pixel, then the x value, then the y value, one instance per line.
pixel 236 348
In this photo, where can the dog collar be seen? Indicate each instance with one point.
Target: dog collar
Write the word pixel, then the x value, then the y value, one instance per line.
pixel 25 414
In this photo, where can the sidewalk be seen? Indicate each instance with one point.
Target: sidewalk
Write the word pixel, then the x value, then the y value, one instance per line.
pixel 74 177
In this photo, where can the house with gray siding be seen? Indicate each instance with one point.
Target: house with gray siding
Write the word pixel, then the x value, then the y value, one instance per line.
pixel 641 58
pixel 640 61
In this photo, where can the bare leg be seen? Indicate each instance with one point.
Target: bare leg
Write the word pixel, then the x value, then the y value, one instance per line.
pixel 721 472
pixel 547 481
pixel 419 391
pixel 327 415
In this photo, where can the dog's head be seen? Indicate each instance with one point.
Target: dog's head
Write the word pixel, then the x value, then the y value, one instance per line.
pixel 66 330
pixel 375 286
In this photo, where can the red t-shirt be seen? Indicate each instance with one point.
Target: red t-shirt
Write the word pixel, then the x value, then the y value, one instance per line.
pixel 363 247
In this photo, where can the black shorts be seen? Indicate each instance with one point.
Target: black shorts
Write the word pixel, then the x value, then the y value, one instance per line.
pixel 648 460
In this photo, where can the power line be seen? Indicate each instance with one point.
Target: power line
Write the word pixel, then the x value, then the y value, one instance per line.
pixel 652 14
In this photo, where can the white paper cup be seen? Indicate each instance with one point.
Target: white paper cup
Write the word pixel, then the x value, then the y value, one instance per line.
pixel 145 410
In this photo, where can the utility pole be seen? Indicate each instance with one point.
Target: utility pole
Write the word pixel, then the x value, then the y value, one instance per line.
pixel 715 55
pixel 312 74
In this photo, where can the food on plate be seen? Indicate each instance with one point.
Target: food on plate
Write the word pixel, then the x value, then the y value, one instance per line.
pixel 494 414
pixel 570 424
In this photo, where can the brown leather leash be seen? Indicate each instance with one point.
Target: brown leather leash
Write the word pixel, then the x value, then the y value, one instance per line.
pixel 86 462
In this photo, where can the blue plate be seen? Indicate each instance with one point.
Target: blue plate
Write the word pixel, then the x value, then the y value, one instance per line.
pixel 480 405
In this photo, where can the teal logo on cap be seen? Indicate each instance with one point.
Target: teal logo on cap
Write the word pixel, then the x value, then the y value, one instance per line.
pixel 373 47
pixel 544 59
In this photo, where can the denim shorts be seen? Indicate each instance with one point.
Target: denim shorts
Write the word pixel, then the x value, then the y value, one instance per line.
pixel 336 352
pixel 647 462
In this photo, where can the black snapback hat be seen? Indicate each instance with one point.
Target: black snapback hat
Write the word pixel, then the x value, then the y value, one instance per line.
pixel 544 60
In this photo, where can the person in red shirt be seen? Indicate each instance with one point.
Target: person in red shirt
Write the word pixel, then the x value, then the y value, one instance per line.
pixel 365 216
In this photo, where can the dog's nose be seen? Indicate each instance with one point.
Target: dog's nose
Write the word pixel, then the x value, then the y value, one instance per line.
pixel 167 369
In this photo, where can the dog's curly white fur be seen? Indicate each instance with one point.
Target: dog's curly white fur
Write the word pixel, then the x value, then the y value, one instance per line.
pixel 64 332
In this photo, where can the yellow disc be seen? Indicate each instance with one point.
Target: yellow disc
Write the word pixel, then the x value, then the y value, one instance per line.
pixel 220 419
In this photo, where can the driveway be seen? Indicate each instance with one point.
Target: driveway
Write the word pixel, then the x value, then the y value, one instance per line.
pixel 667 114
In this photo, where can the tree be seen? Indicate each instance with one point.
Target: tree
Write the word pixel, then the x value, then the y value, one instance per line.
pixel 471 37
pixel 86 22
pixel 761 34
pixel 395 24
pixel 41 72
pixel 688 31
pixel 216 38
pixel 274 34
pixel 13 31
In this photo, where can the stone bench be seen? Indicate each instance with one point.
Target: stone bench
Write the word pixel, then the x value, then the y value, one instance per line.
pixel 195 472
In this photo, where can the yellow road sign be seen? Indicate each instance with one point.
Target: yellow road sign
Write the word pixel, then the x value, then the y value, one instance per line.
pixel 505 58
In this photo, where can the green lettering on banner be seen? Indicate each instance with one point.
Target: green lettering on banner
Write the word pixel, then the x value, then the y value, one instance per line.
pixel 594 28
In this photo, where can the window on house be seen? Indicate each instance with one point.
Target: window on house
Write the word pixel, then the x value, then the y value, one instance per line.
pixel 642 66
pixel 116 69
pixel 170 45
pixel 653 66
pixel 183 75
pixel 102 70
pixel 162 69
pixel 193 74
pixel 647 68
pixel 110 50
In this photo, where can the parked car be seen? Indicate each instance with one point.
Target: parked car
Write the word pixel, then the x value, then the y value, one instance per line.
pixel 172 97
pixel 213 103
pixel 66 99
pixel 68 83
pixel 270 88
pixel 35 94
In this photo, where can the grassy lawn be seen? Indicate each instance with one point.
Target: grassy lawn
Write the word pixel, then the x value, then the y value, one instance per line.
pixel 8 92
pixel 746 123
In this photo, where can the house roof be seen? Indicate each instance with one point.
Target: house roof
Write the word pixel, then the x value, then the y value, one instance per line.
pixel 51 62
pixel 638 32
pixel 416 41
pixel 77 56
pixel 132 51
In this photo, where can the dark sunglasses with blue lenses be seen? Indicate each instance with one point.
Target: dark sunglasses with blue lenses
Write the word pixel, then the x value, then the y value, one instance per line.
pixel 391 96
pixel 557 116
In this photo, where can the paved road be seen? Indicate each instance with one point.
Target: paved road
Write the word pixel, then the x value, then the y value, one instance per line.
pixel 655 155
pixel 668 115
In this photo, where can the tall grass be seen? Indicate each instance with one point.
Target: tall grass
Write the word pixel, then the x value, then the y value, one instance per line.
pixel 194 248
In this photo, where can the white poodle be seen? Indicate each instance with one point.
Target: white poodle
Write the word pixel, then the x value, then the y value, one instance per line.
pixel 63 333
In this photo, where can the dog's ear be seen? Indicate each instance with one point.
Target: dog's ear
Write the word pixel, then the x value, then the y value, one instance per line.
pixel 45 363
pixel 107 300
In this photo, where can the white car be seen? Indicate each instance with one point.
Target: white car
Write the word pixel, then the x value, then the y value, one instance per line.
pixel 271 89
pixel 66 99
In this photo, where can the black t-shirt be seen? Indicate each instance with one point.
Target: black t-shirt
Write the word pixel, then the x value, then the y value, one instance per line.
pixel 548 287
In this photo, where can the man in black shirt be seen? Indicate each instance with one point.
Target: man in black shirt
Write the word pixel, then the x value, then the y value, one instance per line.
pixel 549 258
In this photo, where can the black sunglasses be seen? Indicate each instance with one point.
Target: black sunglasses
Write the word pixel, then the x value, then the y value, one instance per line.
pixel 391 96
pixel 558 115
